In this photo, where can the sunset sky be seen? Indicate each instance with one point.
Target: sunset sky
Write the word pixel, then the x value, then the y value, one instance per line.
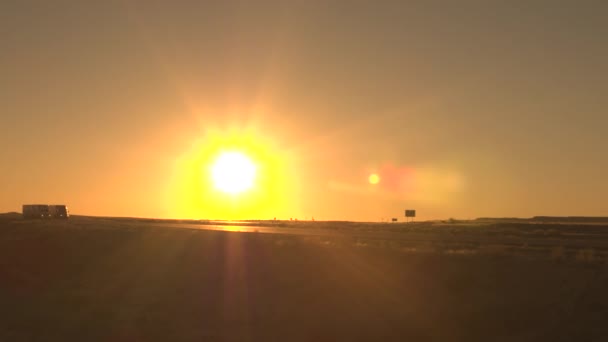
pixel 458 108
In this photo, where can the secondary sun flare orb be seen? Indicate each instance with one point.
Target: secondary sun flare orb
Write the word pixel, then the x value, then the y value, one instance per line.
pixel 233 172
pixel 374 178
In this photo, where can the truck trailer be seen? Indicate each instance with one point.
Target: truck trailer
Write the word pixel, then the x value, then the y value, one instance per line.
pixel 38 211
pixel 42 211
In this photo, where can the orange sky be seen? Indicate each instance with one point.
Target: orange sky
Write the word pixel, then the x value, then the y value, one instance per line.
pixel 463 110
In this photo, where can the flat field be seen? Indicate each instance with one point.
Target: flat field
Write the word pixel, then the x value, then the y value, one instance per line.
pixel 111 279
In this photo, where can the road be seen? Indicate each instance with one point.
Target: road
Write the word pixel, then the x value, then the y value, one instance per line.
pixel 473 238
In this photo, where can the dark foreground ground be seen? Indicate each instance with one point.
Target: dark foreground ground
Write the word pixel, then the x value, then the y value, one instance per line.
pixel 88 281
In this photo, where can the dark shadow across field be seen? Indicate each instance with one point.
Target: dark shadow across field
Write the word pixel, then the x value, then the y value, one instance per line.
pixel 87 281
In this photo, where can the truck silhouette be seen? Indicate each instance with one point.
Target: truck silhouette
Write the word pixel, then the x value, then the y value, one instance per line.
pixel 42 211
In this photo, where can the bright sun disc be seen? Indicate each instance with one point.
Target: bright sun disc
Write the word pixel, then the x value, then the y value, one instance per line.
pixel 233 173
pixel 374 179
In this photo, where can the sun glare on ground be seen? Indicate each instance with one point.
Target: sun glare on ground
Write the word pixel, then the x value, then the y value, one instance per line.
pixel 233 173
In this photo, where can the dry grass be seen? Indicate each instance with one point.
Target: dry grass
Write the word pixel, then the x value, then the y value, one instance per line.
pixel 586 255
pixel 558 253
pixel 121 281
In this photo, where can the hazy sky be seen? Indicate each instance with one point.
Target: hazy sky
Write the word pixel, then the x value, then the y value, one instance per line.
pixel 463 108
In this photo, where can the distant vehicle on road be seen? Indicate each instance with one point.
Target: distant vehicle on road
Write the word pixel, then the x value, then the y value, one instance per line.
pixel 42 211
pixel 35 211
pixel 58 211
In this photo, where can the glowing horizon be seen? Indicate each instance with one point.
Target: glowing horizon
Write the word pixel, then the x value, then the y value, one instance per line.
pixel 122 109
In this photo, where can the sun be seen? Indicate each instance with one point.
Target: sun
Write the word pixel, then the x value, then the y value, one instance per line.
pixel 233 172
pixel 374 179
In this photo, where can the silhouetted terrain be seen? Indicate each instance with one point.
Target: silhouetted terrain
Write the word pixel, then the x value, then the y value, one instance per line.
pixel 545 219
pixel 129 280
